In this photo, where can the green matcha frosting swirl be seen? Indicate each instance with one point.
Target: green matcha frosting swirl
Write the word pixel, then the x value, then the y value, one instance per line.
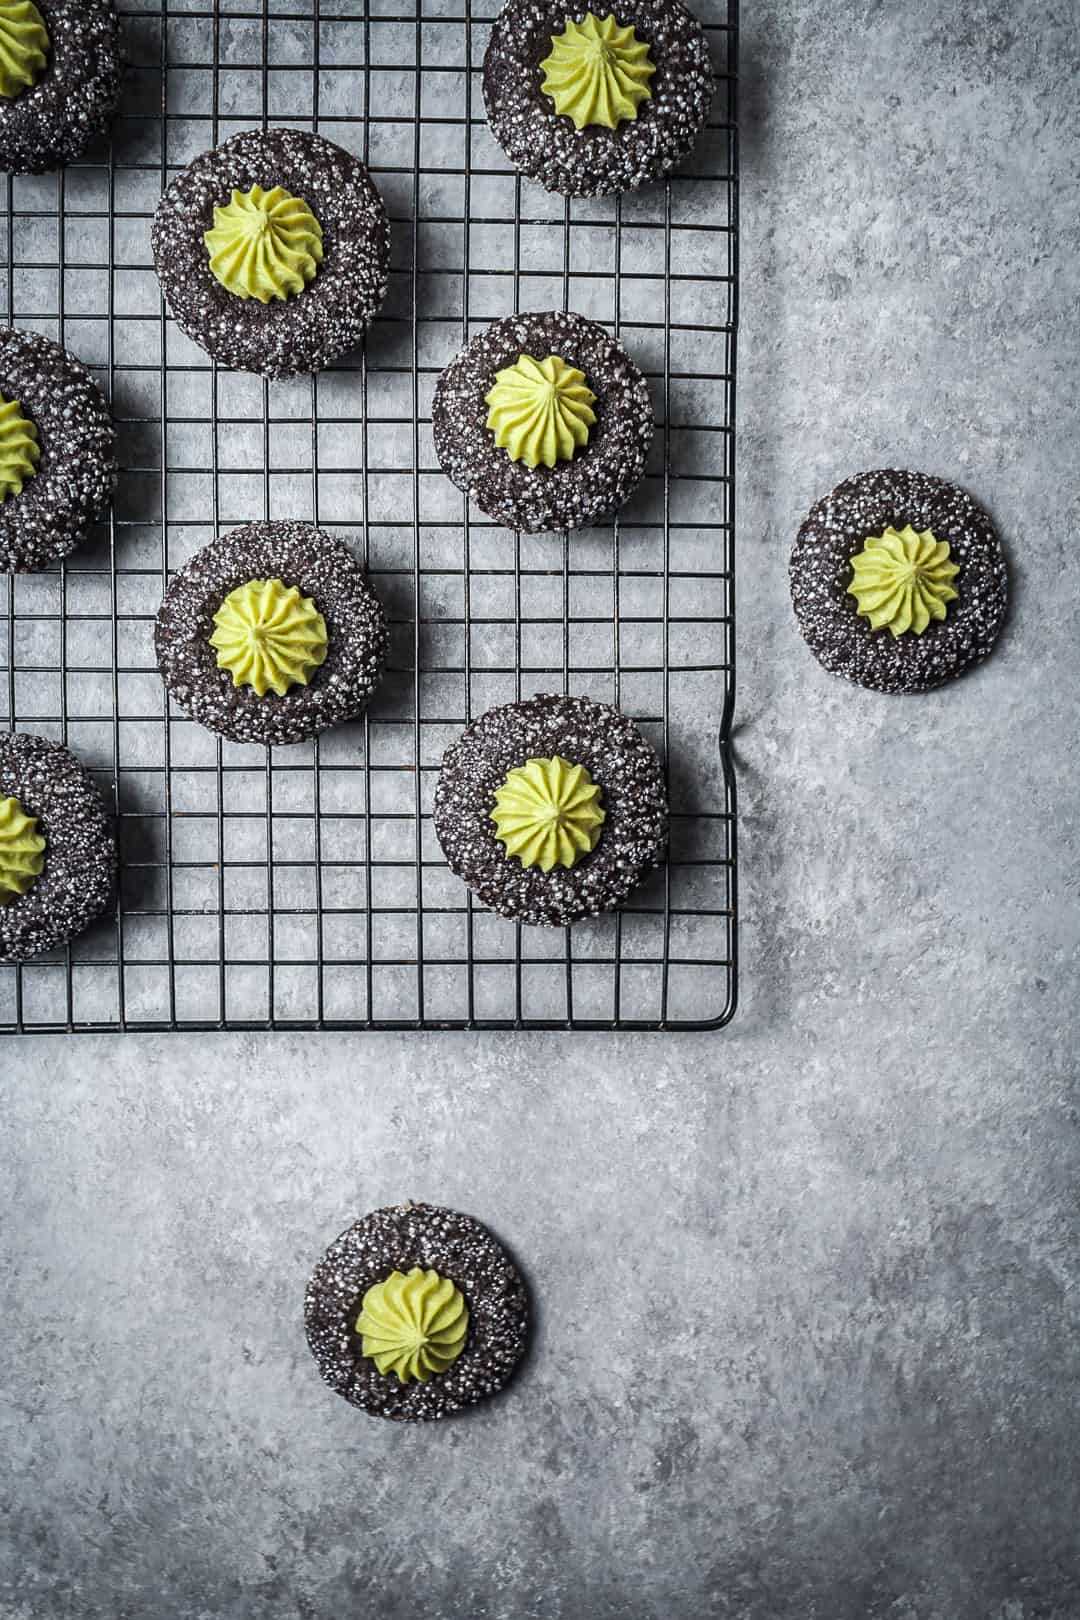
pixel 268 636
pixel 20 451
pixel 902 579
pixel 540 411
pixel 547 813
pixel 22 850
pixel 597 73
pixel 413 1324
pixel 264 244
pixel 24 42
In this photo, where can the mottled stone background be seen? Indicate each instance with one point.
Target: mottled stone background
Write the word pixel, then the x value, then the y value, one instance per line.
pixel 806 1291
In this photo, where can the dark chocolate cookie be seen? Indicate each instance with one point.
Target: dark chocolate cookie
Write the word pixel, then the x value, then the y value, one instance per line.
pixel 837 530
pixel 76 473
pixel 592 160
pixel 329 316
pixel 571 494
pixel 79 875
pixel 619 760
pixel 73 97
pixel 455 1246
pixel 321 568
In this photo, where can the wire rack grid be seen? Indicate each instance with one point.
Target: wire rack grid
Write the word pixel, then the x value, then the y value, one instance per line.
pixel 303 887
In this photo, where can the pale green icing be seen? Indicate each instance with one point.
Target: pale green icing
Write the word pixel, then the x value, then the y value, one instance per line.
pixel 547 813
pixel 22 850
pixel 264 244
pixel 597 73
pixel 268 636
pixel 20 451
pixel 24 44
pixel 413 1324
pixel 902 579
pixel 540 411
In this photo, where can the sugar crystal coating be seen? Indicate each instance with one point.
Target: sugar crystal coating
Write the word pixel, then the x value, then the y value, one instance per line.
pixel 322 569
pixel 79 876
pixel 75 97
pixel 400 1238
pixel 594 160
pixel 76 472
pixel 618 759
pixel 821 573
pixel 304 333
pixel 572 494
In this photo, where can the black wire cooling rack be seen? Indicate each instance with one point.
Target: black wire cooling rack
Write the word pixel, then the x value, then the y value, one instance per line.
pixel 304 887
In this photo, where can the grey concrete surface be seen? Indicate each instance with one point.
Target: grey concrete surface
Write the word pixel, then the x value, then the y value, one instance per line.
pixel 806 1340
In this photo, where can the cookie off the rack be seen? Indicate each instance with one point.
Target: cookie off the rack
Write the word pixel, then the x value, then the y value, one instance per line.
pixel 271 633
pixel 551 810
pixel 57 848
pixel 898 581
pixel 545 421
pixel 595 102
pixel 57 451
pixel 415 1313
pixel 273 251
pixel 60 75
